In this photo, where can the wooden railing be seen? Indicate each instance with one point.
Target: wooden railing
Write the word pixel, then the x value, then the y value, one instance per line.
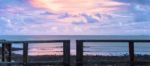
pixel 7 51
pixel 79 51
pixel 7 57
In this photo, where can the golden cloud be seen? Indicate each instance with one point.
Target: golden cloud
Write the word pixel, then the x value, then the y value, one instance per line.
pixel 77 6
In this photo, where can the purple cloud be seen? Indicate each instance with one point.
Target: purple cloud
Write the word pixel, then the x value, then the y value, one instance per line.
pixel 96 17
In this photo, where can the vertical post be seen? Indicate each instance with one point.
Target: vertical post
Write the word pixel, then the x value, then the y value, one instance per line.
pixel 3 52
pixel 8 46
pixel 7 50
pixel 131 53
pixel 79 53
pixel 66 53
pixel 25 54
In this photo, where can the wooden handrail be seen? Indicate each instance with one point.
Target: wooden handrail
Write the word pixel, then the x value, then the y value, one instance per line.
pixel 6 47
pixel 79 50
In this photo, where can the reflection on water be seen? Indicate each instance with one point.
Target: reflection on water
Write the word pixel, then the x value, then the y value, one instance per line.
pixel 36 51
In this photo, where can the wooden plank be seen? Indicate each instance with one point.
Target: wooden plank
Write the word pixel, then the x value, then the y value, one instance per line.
pixel 25 54
pixel 7 50
pixel 103 40
pixel 3 52
pixel 10 63
pixel 115 40
pixel 37 41
pixel 79 53
pixel 105 62
pixel 45 63
pixel 66 53
pixel 34 63
pixel 117 62
pixel 131 53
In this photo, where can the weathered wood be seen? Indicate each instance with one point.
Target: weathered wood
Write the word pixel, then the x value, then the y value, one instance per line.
pixel 25 54
pixel 131 53
pixel 115 40
pixel 36 41
pixel 141 63
pixel 66 53
pixel 8 52
pixel 34 63
pixel 79 52
pixel 3 52
pixel 66 48
pixel 49 41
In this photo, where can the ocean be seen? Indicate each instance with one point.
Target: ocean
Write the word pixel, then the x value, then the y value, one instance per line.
pixel 90 48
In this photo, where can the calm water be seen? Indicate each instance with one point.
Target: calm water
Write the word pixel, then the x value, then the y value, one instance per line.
pixel 90 48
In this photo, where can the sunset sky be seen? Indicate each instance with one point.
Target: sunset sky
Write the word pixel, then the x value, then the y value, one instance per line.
pixel 74 17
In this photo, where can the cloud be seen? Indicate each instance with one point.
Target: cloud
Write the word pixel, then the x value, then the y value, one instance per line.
pixel 76 6
pixel 140 9
pixel 74 17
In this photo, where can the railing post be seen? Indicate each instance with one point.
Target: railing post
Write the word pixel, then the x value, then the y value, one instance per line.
pixel 79 53
pixel 3 52
pixel 25 54
pixel 131 53
pixel 8 52
pixel 66 53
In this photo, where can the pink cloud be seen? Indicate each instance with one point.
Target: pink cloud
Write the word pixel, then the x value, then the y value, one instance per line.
pixel 77 6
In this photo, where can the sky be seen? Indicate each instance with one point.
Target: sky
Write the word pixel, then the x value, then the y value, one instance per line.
pixel 74 17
